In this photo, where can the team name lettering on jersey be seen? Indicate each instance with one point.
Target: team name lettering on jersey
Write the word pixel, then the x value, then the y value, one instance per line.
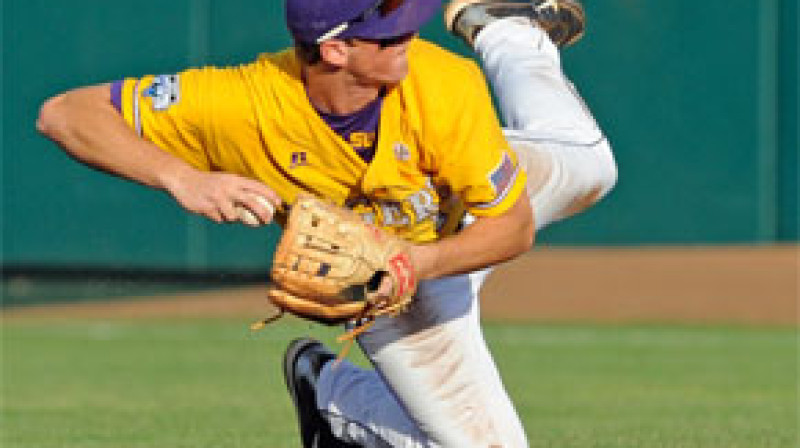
pixel 417 207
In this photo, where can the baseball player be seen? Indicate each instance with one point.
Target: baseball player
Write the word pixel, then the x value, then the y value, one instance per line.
pixel 364 113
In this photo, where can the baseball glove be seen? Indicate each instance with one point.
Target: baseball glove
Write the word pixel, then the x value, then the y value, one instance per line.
pixel 330 263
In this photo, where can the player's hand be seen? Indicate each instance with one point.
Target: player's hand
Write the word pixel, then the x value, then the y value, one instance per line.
pixel 384 291
pixel 222 197
pixel 421 257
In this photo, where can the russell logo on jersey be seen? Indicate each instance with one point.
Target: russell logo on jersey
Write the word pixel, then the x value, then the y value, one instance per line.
pixel 299 158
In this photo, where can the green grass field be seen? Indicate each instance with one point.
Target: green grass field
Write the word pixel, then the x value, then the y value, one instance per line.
pixel 210 383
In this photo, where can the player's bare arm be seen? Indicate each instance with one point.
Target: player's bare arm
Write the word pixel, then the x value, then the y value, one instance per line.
pixel 88 127
pixel 486 242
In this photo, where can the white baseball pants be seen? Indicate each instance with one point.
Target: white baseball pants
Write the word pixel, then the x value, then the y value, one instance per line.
pixel 435 383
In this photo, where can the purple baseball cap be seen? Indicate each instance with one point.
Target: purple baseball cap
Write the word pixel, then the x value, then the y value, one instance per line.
pixel 315 21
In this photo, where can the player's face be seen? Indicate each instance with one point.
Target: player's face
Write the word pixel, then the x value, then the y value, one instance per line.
pixel 383 62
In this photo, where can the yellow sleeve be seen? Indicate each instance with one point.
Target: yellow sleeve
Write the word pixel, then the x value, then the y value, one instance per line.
pixel 475 158
pixel 171 111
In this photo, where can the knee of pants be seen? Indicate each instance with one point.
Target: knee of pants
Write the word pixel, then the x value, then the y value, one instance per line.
pixel 602 179
pixel 566 180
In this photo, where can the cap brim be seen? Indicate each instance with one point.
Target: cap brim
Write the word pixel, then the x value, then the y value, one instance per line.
pixel 406 19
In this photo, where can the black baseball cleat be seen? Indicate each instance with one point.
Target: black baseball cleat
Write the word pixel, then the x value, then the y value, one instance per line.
pixel 563 20
pixel 302 365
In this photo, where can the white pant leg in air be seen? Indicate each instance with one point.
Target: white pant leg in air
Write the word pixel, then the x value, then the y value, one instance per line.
pixel 568 159
pixel 435 383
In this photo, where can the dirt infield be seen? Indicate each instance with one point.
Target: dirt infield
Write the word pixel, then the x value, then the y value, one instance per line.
pixel 729 285
pixel 747 285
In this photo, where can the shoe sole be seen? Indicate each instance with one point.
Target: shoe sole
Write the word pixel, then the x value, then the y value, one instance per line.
pixel 455 7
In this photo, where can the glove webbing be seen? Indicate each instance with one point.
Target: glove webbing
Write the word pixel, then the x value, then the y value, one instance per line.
pixel 350 335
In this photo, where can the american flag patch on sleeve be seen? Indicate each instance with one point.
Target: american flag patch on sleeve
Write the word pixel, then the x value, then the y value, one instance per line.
pixel 502 179
pixel 502 176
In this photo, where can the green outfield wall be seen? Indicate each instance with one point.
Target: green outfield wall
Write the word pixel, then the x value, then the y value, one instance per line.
pixel 698 99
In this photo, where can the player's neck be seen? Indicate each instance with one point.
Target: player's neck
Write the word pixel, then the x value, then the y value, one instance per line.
pixel 338 92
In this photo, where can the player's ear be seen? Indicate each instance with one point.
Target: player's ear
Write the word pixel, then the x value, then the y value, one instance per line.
pixel 335 52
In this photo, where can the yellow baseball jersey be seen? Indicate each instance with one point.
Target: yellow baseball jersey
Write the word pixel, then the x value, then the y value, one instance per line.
pixel 440 148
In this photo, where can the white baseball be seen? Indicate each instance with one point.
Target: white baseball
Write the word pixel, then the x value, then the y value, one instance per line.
pixel 249 218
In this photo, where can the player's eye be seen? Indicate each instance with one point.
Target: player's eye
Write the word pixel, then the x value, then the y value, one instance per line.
pixel 391 41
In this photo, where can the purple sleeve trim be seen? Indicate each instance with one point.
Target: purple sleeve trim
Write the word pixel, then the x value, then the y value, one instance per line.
pixel 116 95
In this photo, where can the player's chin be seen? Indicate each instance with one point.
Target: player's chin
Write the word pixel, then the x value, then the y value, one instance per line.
pixel 396 75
